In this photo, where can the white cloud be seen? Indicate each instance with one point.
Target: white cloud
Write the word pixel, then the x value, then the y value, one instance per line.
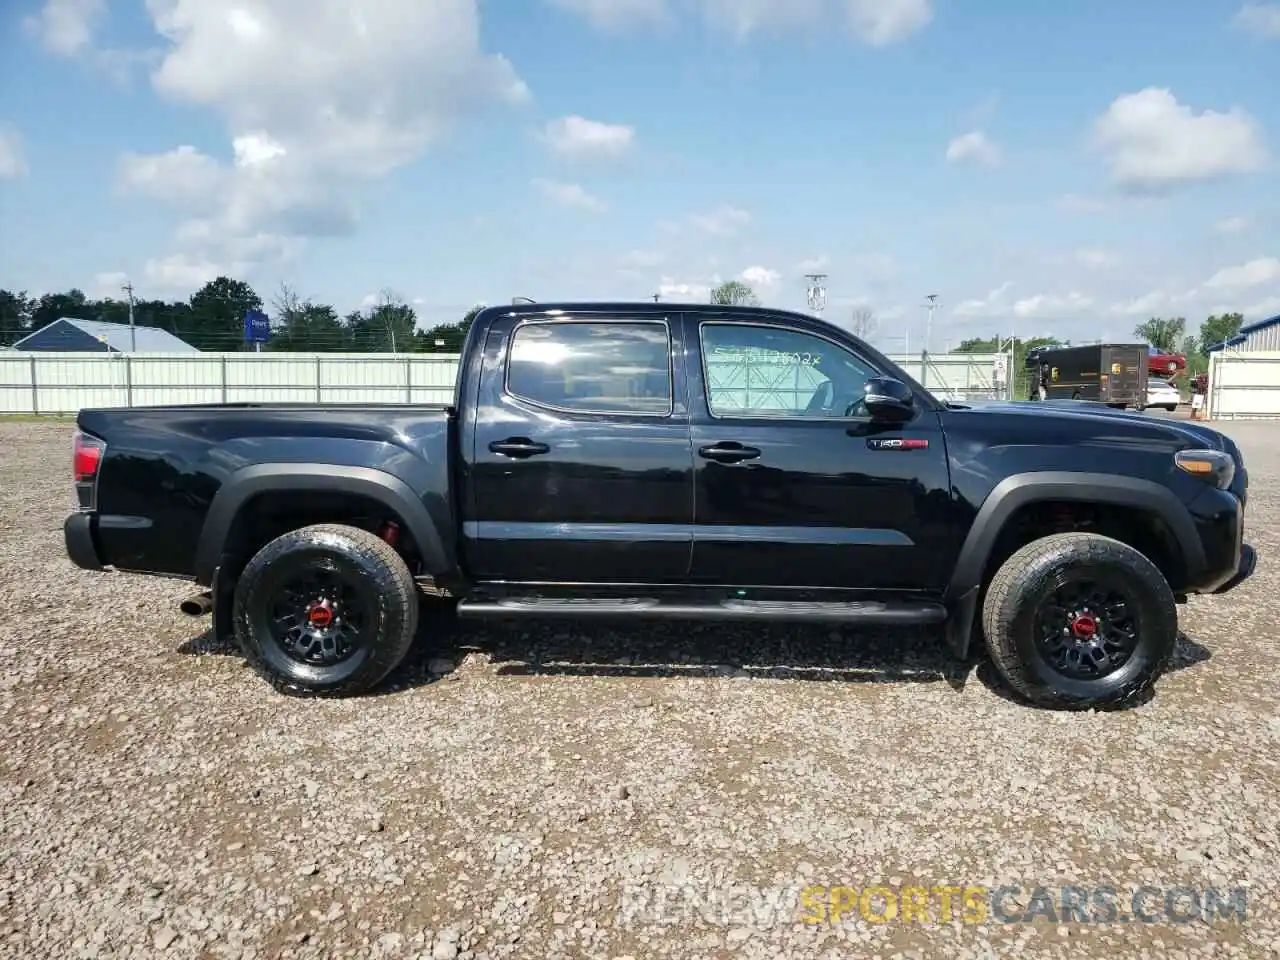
pixel 814 264
pixel 570 195
pixel 1153 142
pixel 877 268
pixel 317 99
pixel 1096 259
pixel 1149 304
pixel 1262 310
pixel 976 147
pixel 1040 306
pixel 876 23
pixel 1255 273
pixel 992 305
pixel 577 138
pixel 181 274
pixel 883 22
pixel 639 260
pixel 722 222
pixel 686 291
pixel 1231 225
pixel 1075 203
pixel 66 27
pixel 615 14
pixel 108 285
pixel 183 175
pixel 757 276
pixel 1260 19
pixel 12 163
pixel 1046 306
pixel 1221 293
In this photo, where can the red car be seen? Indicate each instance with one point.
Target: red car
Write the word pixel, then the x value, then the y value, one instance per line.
pixel 1163 363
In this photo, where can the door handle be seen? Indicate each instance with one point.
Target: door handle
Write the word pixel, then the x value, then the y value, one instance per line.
pixel 518 447
pixel 728 451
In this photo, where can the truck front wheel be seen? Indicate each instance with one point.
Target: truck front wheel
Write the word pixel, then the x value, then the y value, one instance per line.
pixel 325 610
pixel 1076 619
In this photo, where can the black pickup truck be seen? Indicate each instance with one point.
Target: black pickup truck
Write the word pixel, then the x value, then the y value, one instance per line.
pixel 682 461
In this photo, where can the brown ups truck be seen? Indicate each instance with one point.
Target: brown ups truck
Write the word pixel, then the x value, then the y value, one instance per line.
pixel 1110 373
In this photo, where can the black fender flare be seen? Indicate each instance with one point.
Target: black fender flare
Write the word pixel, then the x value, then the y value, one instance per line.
pixel 1020 489
pixel 259 478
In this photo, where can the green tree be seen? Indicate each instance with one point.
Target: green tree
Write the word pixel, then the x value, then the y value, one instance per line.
pixel 1164 333
pixel 387 326
pixel 15 316
pixel 1215 329
pixel 734 293
pixel 446 337
pixel 52 307
pixel 216 319
pixel 862 322
pixel 302 326
pixel 1197 362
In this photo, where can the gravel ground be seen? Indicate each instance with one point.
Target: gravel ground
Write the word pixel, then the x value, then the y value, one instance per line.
pixel 572 792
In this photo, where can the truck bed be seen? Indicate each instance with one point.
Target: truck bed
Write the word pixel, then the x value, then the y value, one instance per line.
pixel 164 467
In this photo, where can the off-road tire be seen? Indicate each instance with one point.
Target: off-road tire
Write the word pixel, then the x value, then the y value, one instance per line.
pixel 372 567
pixel 1012 600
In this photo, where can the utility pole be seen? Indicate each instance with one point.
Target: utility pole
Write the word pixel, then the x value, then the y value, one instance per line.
pixel 657 297
pixel 817 292
pixel 928 327
pixel 133 335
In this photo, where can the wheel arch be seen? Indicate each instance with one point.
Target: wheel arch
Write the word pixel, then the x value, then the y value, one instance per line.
pixel 1026 489
pixel 370 484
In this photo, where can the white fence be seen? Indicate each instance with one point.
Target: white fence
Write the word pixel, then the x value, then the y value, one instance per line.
pixel 961 376
pixel 66 382
pixel 1244 386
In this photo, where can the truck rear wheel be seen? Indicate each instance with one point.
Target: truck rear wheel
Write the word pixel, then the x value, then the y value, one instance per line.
pixel 1077 619
pixel 325 610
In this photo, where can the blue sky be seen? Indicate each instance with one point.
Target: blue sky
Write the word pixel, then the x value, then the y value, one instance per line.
pixel 1044 168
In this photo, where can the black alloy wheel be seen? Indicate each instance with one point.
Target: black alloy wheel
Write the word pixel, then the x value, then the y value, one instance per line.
pixel 1079 619
pixel 321 612
pixel 326 609
pixel 1088 627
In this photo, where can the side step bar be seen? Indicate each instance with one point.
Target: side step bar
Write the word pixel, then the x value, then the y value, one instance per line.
pixel 646 607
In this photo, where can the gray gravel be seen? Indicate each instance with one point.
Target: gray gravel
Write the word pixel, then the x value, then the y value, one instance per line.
pixel 574 792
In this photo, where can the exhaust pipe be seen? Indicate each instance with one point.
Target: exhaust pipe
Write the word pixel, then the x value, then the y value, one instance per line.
pixel 198 606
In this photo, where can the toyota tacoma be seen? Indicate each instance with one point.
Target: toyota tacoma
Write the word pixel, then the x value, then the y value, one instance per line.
pixel 719 463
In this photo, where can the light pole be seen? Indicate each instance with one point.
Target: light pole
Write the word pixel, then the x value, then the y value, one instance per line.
pixel 817 292
pixel 133 336
pixel 928 326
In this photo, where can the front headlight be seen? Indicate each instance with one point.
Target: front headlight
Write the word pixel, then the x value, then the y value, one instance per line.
pixel 1212 465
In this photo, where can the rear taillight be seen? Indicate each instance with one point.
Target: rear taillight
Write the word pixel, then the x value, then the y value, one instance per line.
pixel 87 457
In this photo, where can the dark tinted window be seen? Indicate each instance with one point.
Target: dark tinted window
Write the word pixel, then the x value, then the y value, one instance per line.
pixel 613 367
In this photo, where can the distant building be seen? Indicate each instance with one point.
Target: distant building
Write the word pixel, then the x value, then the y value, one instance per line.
pixel 70 334
pixel 1253 337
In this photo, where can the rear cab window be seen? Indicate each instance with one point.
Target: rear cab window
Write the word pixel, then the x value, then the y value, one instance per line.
pixel 593 366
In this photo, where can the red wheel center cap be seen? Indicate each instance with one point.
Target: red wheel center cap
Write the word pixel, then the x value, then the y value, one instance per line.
pixel 1084 626
pixel 320 615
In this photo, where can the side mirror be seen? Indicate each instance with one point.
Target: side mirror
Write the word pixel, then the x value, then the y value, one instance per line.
pixel 888 399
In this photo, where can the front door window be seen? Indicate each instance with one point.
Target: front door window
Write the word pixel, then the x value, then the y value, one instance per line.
pixel 759 371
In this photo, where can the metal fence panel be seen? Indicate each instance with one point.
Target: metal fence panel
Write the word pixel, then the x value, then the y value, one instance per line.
pixel 67 382
pixel 1244 386
pixel 17 386
pixel 960 376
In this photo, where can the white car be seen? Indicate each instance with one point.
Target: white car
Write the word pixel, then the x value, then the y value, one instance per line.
pixel 1161 393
